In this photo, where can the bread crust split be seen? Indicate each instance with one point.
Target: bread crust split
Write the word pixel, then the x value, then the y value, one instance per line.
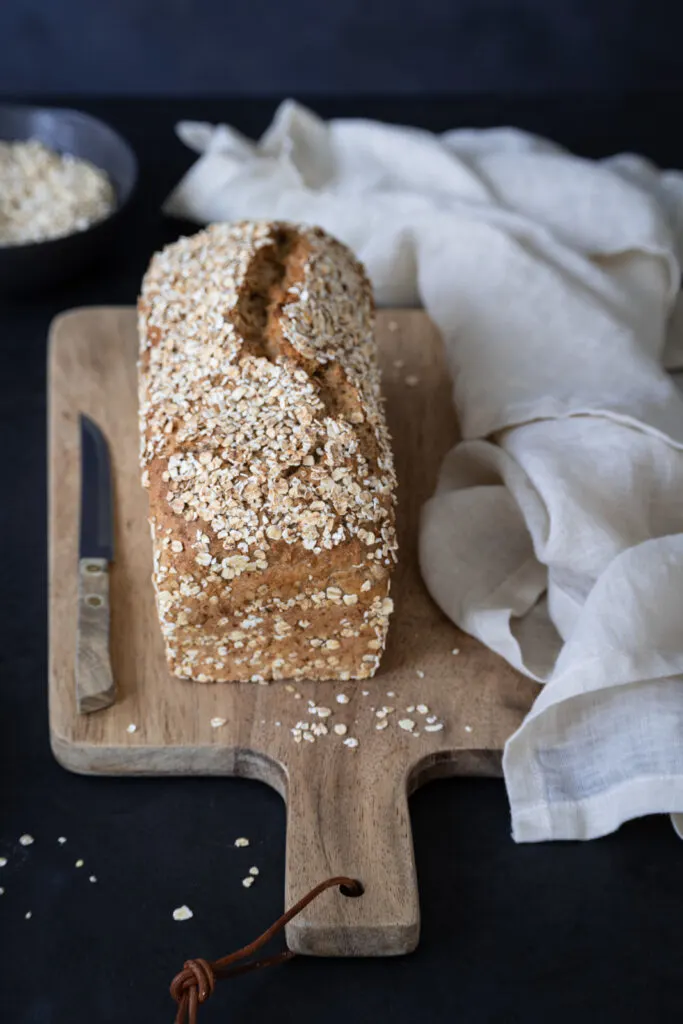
pixel 266 454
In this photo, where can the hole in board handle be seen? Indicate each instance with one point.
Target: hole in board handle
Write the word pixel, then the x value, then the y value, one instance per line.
pixel 94 601
pixel 352 891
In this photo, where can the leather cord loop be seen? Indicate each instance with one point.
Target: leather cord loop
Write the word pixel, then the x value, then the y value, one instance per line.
pixel 195 983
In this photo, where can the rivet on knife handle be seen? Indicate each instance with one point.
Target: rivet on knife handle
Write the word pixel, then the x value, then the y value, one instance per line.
pixel 94 679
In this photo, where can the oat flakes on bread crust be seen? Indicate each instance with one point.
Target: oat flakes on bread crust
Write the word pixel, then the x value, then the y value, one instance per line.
pixel 266 454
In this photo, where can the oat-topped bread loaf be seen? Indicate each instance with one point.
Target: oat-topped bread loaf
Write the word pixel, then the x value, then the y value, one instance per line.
pixel 266 454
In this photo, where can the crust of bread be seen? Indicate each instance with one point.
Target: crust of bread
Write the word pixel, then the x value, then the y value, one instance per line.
pixel 266 454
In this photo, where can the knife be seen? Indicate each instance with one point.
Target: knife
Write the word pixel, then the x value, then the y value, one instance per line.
pixel 94 679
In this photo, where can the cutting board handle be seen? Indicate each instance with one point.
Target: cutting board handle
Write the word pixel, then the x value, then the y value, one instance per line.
pixel 351 818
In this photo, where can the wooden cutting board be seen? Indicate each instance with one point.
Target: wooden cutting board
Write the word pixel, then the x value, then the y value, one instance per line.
pixel 347 808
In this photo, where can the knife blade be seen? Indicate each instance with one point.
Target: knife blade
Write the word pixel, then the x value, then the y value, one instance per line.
pixel 94 679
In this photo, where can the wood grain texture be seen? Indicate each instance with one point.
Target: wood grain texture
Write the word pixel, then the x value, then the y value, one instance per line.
pixel 347 808
pixel 94 680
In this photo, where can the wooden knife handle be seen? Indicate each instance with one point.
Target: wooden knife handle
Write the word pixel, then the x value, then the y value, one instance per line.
pixel 94 679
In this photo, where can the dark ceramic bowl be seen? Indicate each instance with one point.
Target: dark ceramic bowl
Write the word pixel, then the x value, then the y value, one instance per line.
pixel 43 264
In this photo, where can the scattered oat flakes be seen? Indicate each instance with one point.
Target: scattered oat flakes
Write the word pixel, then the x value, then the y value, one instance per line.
pixel 342 698
pixel 390 693
pixel 61 840
pixel 131 728
pixel 340 729
pixel 26 840
pixel 350 741
pixel 419 673
pixel 3 861
pixel 366 693
pixel 382 724
pixel 410 709
pixel 431 719
pixel 324 712
pixel 241 841
pixel 309 737
pixel 456 650
pixel 278 724
pixel 468 728
pixel 434 727
pixel 92 878
pixel 217 722
pixel 79 863
pixel 392 326
pixel 28 915
pixel 248 881
pixel 254 870
pixel 423 709
pixel 2 891
pixel 412 381
pixel 289 688
pixel 406 723
pixel 182 913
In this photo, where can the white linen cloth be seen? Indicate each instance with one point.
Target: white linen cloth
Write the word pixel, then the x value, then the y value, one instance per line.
pixel 556 532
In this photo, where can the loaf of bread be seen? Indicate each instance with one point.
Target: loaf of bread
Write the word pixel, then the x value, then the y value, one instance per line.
pixel 266 454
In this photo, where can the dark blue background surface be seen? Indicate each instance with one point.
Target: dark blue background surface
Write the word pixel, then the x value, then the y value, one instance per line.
pixel 271 47
pixel 540 934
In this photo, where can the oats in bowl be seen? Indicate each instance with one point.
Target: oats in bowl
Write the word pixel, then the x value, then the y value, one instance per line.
pixel 45 194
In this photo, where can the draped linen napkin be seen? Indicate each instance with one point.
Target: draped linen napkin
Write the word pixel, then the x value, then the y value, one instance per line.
pixel 555 534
